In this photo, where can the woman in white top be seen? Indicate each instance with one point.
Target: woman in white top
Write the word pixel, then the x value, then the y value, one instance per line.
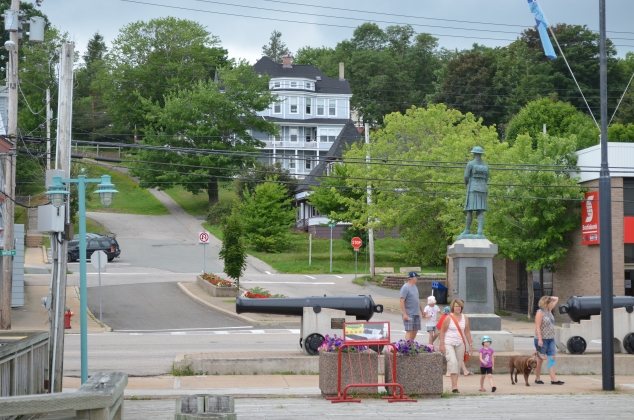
pixel 451 342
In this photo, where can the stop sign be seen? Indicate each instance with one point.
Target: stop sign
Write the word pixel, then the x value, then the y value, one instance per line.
pixel 356 242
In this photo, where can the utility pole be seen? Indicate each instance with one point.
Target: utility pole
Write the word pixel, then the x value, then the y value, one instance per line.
pixel 48 129
pixel 605 220
pixel 62 162
pixel 9 171
pixel 366 131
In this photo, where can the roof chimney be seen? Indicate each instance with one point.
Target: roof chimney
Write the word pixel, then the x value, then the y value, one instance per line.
pixel 286 62
pixel 341 73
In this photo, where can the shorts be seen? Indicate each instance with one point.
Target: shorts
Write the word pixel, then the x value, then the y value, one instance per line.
pixel 549 348
pixel 431 328
pixel 413 324
pixel 486 370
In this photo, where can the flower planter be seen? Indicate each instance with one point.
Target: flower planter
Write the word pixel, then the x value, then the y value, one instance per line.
pixel 215 290
pixel 419 374
pixel 366 362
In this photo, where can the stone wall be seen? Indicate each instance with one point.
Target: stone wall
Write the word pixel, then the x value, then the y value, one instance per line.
pixel 423 283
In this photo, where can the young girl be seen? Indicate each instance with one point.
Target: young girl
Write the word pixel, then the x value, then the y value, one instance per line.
pixel 431 316
pixel 486 363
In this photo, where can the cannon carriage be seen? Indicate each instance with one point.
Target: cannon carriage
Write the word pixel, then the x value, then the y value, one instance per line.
pixel 321 315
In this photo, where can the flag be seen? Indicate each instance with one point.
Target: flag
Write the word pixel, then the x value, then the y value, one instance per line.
pixel 542 27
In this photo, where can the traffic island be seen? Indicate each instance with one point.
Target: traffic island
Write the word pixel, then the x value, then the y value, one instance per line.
pixel 217 290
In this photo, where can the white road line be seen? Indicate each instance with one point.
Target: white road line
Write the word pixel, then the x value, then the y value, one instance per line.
pixel 136 333
pixel 310 277
pixel 339 277
pixel 283 282
pixel 257 332
pixel 268 272
pixel 187 329
pixel 178 333
pixel 294 331
pixel 221 332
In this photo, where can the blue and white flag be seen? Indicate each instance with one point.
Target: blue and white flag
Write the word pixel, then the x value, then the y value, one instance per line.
pixel 542 27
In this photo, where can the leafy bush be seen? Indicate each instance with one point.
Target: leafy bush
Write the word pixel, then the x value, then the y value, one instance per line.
pixel 218 211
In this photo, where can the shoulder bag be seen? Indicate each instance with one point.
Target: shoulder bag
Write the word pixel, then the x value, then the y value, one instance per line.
pixel 466 353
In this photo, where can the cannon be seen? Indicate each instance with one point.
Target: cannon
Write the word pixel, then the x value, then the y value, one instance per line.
pixel 573 337
pixel 321 315
pixel 582 307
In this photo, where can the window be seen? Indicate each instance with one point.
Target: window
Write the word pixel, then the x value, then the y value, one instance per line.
pixel 276 85
pixel 293 132
pixel 328 134
pixel 293 85
pixel 332 107
pixel 309 85
pixel 628 197
pixel 309 103
pixel 291 164
pixel 277 108
pixel 629 253
pixel 277 138
pixel 309 163
pixel 320 106
pixel 293 105
pixel 307 136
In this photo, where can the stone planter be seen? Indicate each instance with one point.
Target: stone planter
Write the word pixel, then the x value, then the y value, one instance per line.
pixel 216 291
pixel 366 362
pixel 419 374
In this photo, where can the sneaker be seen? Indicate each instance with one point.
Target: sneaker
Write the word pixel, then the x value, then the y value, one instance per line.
pixel 540 382
pixel 556 383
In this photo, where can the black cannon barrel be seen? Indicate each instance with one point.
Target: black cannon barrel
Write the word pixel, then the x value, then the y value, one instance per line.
pixel 362 307
pixel 582 307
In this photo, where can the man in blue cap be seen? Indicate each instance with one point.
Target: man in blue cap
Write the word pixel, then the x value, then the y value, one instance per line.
pixel 411 307
pixel 476 176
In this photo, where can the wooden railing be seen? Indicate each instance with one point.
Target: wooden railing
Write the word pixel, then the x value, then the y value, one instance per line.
pixel 23 363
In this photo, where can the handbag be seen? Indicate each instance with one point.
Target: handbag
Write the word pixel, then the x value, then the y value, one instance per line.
pixel 439 325
pixel 466 354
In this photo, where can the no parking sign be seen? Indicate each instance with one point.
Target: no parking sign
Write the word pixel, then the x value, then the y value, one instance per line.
pixel 203 238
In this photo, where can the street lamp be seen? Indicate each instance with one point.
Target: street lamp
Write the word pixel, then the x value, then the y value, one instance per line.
pixel 57 193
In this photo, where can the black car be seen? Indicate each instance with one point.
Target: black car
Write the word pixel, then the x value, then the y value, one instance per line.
pixel 94 242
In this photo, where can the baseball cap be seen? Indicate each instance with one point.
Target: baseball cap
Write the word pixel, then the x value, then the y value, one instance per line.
pixel 412 274
pixel 431 299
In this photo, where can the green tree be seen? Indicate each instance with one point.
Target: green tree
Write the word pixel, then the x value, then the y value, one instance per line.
pixel 540 205
pixel 215 118
pixel 276 49
pixel 320 57
pixel 418 187
pixel 253 176
pixel 267 217
pixel 233 251
pixel 149 61
pixel 625 113
pixel 561 118
pixel 621 133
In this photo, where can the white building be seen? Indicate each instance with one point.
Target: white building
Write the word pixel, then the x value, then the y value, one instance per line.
pixel 311 112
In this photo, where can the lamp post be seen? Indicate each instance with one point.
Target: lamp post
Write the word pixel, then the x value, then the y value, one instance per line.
pixel 57 193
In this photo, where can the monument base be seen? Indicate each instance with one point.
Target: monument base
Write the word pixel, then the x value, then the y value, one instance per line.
pixel 500 340
pixel 471 236
pixel 484 322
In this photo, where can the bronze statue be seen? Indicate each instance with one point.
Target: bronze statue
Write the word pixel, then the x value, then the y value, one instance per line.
pixel 476 176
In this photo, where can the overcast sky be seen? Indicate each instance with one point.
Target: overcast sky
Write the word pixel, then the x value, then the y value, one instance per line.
pixel 243 30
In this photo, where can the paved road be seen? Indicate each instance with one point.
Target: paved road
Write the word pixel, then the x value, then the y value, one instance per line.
pixel 481 407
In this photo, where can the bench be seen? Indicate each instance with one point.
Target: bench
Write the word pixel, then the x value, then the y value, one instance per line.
pixel 100 398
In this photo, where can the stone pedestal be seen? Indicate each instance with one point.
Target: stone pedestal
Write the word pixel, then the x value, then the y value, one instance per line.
pixel 472 282
pixel 325 322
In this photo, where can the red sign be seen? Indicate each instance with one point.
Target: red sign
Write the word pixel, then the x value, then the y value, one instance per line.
pixel 628 230
pixel 590 219
pixel 356 243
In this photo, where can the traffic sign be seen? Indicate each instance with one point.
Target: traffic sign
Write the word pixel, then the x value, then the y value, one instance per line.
pixel 203 238
pixel 356 243
pixel 7 253
pixel 99 259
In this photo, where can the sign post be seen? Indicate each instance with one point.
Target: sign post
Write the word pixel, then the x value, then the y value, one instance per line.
pixel 99 259
pixel 331 225
pixel 356 244
pixel 203 239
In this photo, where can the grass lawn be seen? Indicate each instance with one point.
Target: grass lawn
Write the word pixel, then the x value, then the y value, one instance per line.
pixel 198 204
pixel 131 198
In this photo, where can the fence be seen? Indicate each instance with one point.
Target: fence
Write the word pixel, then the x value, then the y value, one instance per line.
pixel 99 151
pixel 517 300
pixel 23 363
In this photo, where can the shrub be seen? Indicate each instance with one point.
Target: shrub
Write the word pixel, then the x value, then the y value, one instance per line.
pixel 218 211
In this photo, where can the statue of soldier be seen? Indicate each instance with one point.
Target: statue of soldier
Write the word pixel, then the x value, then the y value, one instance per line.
pixel 476 176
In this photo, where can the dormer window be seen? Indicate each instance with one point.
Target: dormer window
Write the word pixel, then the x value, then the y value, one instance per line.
pixel 309 85
pixel 276 85
pixel 293 85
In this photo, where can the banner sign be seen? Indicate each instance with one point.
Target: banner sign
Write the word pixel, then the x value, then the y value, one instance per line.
pixel 590 219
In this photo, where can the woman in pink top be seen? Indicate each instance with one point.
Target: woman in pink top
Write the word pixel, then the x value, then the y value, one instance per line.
pixel 451 341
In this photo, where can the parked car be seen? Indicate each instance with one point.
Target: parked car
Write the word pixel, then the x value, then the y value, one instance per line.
pixel 94 242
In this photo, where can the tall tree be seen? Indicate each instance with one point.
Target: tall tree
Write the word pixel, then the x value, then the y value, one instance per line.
pixel 233 251
pixel 216 119
pixel 276 49
pixel 151 60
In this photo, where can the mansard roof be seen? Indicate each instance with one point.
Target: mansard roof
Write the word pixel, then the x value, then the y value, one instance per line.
pixel 303 71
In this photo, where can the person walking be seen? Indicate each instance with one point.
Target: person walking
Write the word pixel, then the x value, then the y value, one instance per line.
pixel 545 338
pixel 411 307
pixel 487 363
pixel 454 336
pixel 430 313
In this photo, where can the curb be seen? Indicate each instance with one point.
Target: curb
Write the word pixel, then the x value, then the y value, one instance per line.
pixel 90 314
pixel 217 308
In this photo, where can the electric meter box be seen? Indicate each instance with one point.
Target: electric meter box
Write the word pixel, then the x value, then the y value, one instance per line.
pixel 50 219
pixel 11 20
pixel 36 29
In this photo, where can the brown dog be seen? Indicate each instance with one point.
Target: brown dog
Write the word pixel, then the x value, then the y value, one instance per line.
pixel 524 365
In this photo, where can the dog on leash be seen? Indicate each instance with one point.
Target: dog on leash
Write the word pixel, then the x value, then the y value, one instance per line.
pixel 524 365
